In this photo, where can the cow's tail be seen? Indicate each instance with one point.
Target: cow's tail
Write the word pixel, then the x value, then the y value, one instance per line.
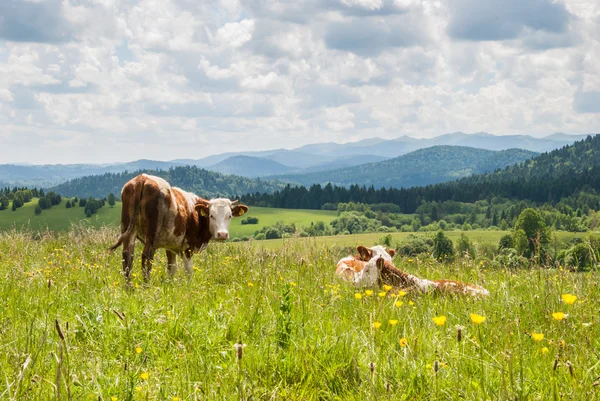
pixel 137 198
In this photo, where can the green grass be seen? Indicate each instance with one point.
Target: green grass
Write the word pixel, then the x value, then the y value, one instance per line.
pixel 59 218
pixel 270 216
pixel 307 336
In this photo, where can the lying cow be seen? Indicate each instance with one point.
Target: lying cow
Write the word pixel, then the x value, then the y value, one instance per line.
pixel 161 216
pixel 373 267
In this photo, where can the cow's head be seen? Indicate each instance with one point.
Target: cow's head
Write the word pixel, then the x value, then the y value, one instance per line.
pixel 366 254
pixel 219 213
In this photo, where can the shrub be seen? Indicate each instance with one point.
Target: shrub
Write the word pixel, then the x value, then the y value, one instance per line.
pixel 272 233
pixel 38 210
pixel 259 236
pixel 464 246
pixel 414 245
pixel 250 220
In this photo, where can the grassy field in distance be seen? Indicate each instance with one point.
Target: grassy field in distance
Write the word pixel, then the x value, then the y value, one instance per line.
pixel 476 236
pixel 59 218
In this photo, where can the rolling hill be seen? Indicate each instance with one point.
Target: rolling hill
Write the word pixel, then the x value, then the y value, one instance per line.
pixel 550 177
pixel 248 166
pixel 421 167
pixel 205 183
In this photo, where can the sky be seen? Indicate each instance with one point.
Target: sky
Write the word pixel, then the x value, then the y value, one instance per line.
pixel 93 81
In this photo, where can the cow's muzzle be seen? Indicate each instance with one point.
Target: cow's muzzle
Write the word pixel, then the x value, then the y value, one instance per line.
pixel 222 235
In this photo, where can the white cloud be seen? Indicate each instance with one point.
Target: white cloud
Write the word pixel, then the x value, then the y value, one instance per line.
pixel 108 80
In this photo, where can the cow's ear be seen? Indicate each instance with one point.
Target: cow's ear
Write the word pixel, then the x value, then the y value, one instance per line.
pixel 202 208
pixel 239 210
pixel 365 253
pixel 391 252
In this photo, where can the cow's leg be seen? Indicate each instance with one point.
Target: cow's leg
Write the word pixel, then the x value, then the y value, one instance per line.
pixel 171 262
pixel 187 263
pixel 128 250
pixel 147 261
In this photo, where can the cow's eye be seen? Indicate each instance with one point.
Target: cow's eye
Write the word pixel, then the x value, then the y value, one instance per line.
pixel 212 216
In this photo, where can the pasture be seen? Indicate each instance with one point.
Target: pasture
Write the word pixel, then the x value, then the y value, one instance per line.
pixel 59 218
pixel 71 329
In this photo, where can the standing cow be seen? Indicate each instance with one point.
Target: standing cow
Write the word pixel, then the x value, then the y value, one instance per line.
pixel 161 216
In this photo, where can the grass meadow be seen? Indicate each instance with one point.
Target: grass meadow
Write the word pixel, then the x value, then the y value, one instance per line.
pixel 71 329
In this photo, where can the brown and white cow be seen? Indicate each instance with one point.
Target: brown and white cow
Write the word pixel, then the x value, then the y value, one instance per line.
pixel 374 267
pixel 161 216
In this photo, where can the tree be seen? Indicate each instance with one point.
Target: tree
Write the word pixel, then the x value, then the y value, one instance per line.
pixel 111 200
pixel 38 210
pixel 14 205
pixel 464 246
pixel 442 247
pixel 68 204
pixel 530 233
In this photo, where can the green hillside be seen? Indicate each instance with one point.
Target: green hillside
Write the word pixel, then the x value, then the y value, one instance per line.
pixel 422 167
pixel 59 218
pixel 208 184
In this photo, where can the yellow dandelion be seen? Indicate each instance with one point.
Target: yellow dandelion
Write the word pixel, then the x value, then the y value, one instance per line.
pixel 387 287
pixel 382 294
pixel 401 293
pixel 144 376
pixel 398 304
pixel 562 343
pixel 377 325
pixel 411 303
pixel 440 320
pixel 544 350
pixel 569 299
pixel 175 398
pixel 369 293
pixel 250 284
pixel 113 398
pixel 558 315
pixel 292 284
pixel 138 350
pixel 403 342
pixel 409 260
pixel 393 322
pixel 138 388
pixel 477 319
pixel 358 295
pixel 537 336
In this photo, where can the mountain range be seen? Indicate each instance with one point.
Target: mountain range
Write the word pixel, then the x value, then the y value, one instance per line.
pixel 283 162
pixel 419 168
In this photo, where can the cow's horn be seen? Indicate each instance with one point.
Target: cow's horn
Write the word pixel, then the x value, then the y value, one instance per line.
pixel 235 201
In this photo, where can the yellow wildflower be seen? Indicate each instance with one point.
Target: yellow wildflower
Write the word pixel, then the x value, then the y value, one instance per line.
pixel 250 284
pixel 401 293
pixel 358 295
pixel 558 315
pixel 377 325
pixel 440 320
pixel 292 284
pixel 411 303
pixel 382 294
pixel 369 293
pixel 403 342
pixel 477 319
pixel 409 260
pixel 569 299
pixel 138 388
pixel 138 350
pixel 537 336
pixel 544 350
pixel 144 376
pixel 398 304
pixel 113 398
pixel 387 287
pixel 175 398
pixel 393 322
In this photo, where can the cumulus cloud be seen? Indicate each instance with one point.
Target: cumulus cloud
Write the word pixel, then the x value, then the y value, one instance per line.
pixel 167 79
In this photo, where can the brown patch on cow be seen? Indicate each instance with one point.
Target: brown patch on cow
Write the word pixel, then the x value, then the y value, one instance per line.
pixel 365 253
pixel 180 222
